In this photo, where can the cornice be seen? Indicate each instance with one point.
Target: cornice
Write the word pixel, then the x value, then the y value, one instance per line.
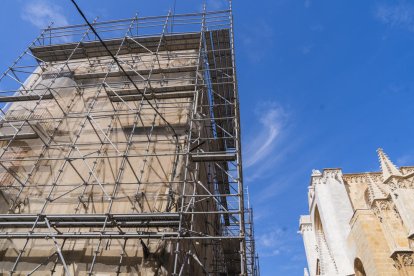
pixel 322 178
pixel 362 177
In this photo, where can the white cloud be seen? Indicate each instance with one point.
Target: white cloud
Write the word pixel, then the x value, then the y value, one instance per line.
pixel 277 240
pixel 216 4
pixel 271 243
pixel 405 160
pixel 271 119
pixel 306 49
pixel 317 28
pixel 276 188
pixel 277 179
pixel 399 15
pixel 256 43
pixel 271 239
pixel 40 13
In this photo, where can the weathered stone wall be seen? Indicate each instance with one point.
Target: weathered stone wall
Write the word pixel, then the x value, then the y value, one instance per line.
pixel 368 244
pixel 143 184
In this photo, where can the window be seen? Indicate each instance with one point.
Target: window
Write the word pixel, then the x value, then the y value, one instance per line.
pixel 359 268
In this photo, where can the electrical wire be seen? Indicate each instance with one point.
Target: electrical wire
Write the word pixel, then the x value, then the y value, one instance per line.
pixel 122 68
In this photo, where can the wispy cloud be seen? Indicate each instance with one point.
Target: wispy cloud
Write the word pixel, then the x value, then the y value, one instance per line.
pixel 277 187
pixel 317 28
pixel 272 242
pixel 278 178
pixel 40 13
pixel 257 43
pixel 271 118
pixel 405 160
pixel 399 15
pixel 307 3
pixel 216 4
pixel 306 49
pixel 276 240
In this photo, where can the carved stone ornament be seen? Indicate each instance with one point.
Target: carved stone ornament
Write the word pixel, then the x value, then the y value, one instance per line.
pixel 377 212
pixel 306 227
pixel 408 259
pixel 383 205
pixel 393 185
pixel 396 213
pixel 401 183
pixel 407 170
pixel 402 259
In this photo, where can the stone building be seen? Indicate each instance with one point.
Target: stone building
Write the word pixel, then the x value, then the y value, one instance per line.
pixel 360 223
pixel 122 156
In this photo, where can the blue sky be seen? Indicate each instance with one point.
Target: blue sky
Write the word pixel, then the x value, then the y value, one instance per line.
pixel 322 84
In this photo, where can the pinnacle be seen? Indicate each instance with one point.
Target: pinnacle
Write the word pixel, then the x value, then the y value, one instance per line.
pixel 387 167
pixel 374 189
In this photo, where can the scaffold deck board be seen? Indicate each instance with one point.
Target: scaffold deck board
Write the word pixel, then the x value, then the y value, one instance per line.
pixel 19 136
pixel 24 98
pixel 89 220
pixel 213 157
pixel 151 96
pixel 144 72
pixel 61 52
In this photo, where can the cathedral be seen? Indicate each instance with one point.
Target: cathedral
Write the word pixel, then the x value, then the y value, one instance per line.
pixel 360 223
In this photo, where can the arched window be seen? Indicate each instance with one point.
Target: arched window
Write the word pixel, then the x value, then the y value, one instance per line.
pixel 359 268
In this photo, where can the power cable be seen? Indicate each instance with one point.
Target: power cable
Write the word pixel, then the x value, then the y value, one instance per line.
pixel 122 68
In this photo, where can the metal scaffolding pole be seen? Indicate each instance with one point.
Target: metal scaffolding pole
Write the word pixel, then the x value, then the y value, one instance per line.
pixel 120 147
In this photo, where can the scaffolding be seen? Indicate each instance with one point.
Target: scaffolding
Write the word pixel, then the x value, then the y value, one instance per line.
pixel 121 177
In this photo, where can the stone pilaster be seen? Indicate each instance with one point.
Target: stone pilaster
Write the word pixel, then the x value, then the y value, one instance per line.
pixel 306 229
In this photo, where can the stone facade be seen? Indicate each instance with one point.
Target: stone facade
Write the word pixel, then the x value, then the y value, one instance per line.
pixel 123 157
pixel 360 223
